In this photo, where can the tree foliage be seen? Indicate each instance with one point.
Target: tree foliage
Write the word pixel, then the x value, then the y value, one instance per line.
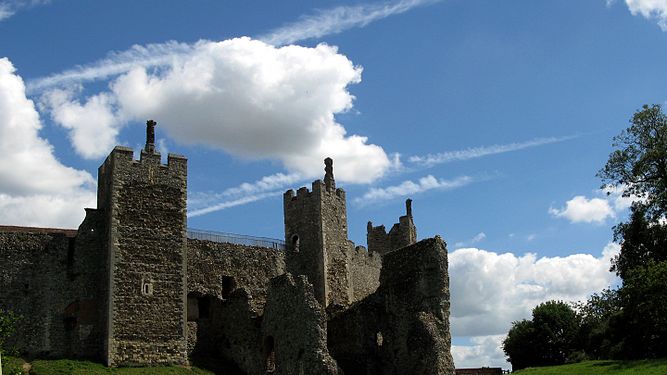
pixel 639 164
pixel 638 167
pixel 642 242
pixel 635 326
pixel 548 339
pixel 644 312
pixel 600 316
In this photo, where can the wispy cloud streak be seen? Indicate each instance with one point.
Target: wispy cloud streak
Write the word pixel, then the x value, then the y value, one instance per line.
pixel 232 203
pixel 247 192
pixel 478 152
pixel 410 187
pixel 148 56
pixel 10 7
pixel 338 19
pixel 325 22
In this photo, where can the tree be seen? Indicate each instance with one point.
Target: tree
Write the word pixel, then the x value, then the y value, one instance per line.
pixel 639 165
pixel 638 329
pixel 600 315
pixel 643 296
pixel 639 169
pixel 642 242
pixel 548 339
pixel 519 345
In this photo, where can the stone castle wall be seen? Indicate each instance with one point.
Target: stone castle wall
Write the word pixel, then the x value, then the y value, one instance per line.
pixel 129 288
pixel 52 280
pixel 364 272
pixel 218 269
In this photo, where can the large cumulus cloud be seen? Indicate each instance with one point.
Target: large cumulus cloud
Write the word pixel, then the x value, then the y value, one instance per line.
pixel 491 290
pixel 249 98
pixel 35 188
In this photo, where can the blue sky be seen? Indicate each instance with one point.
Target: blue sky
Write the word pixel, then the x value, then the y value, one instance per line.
pixel 492 116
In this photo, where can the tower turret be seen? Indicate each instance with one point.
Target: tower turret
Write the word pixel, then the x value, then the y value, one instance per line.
pixel 316 235
pixel 144 203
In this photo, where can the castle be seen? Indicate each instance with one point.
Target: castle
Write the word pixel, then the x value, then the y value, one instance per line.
pixel 133 287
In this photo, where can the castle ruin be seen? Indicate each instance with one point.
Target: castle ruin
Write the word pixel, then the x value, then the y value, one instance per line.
pixel 132 286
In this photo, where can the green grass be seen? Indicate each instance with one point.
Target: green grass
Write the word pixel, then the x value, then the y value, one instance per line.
pixel 643 367
pixel 67 367
pixel 12 365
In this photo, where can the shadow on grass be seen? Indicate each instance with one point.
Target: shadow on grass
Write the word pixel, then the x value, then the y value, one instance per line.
pixel 216 365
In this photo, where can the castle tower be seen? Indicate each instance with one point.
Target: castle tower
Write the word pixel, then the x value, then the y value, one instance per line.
pixel 402 234
pixel 316 237
pixel 144 203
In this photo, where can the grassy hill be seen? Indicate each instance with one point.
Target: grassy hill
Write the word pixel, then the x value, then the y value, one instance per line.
pixel 643 367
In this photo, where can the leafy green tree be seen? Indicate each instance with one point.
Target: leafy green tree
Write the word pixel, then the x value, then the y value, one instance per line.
pixel 638 167
pixel 644 313
pixel 548 339
pixel 519 345
pixel 638 328
pixel 642 242
pixel 600 316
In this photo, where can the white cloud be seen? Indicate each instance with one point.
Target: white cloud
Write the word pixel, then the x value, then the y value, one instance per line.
pixel 596 210
pixel 35 188
pixel 482 353
pixel 409 187
pixel 92 126
pixel 481 236
pixel 338 19
pixel 247 97
pixel 10 7
pixel 490 290
pixel 650 9
pixel 583 210
pixel 478 152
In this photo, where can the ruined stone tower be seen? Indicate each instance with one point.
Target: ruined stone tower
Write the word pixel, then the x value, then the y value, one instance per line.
pixel 403 233
pixel 144 203
pixel 316 237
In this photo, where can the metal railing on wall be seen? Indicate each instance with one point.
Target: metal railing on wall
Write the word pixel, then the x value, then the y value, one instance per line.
pixel 239 239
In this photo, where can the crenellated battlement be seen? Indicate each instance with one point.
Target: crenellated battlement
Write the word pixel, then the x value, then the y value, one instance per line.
pixel 318 190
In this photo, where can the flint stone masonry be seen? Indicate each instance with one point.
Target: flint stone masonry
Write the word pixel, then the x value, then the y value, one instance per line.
pixel 146 203
pixel 217 269
pixel 401 234
pixel 294 330
pixel 403 328
pixel 128 289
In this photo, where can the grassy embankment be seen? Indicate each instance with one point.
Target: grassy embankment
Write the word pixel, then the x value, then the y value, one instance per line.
pixel 643 367
pixel 11 366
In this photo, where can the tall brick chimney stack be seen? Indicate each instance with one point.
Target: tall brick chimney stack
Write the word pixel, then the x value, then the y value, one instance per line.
pixel 150 136
pixel 328 176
